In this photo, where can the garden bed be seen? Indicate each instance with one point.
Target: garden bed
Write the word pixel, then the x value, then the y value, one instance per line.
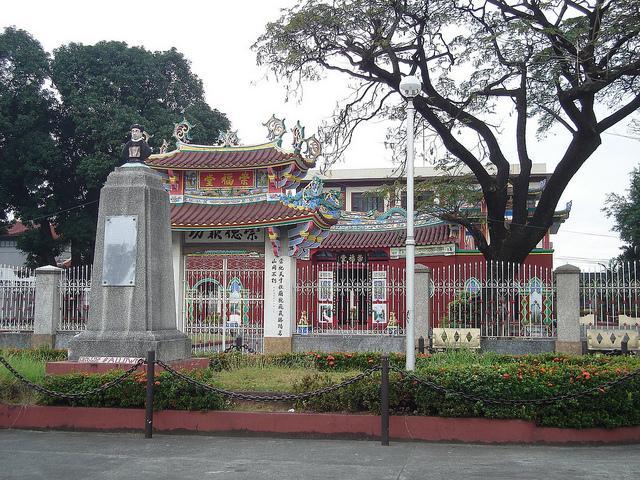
pixel 593 391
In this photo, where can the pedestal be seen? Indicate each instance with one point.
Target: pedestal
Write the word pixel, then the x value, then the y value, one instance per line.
pixel 132 293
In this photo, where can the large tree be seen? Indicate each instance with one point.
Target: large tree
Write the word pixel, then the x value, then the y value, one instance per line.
pixel 539 64
pixel 625 211
pixel 95 92
pixel 28 153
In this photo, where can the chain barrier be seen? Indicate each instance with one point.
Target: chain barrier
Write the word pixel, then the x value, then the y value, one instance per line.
pixel 71 396
pixel 240 348
pixel 508 401
pixel 281 397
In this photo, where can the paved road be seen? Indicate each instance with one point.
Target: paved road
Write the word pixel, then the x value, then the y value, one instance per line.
pixel 82 455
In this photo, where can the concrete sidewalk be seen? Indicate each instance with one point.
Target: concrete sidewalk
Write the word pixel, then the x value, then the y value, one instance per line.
pixel 88 455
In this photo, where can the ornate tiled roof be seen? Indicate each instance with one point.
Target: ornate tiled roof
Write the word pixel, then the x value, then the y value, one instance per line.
pixel 427 235
pixel 189 216
pixel 203 157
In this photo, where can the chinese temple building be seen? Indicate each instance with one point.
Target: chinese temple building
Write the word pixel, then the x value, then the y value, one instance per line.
pixel 293 261
pixel 237 232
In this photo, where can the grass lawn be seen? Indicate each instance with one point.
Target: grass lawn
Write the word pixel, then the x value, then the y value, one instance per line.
pixel 270 379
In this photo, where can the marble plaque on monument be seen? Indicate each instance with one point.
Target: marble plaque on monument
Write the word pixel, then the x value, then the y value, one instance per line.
pixel 120 245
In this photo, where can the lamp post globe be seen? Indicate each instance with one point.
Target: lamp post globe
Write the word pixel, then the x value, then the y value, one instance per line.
pixel 410 86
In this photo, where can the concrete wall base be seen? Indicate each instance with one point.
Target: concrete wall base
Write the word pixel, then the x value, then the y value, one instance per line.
pixel 516 346
pixel 574 348
pixel 43 340
pixel 353 343
pixel 278 345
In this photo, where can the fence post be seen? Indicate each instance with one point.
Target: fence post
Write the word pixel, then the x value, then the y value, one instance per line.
pixel 148 420
pixel 421 345
pixel 47 306
pixel 568 309
pixel 422 299
pixel 384 401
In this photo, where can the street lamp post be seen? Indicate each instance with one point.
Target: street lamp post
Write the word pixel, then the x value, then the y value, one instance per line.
pixel 410 87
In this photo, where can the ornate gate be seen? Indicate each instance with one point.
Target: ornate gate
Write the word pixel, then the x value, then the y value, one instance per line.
pixel 223 300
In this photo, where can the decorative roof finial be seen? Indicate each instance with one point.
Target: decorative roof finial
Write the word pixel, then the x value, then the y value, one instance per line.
pixel 181 131
pixel 228 138
pixel 164 148
pixel 298 137
pixel 314 147
pixel 276 129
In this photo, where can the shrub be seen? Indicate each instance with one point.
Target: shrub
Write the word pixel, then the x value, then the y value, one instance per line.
pixel 514 378
pixel 170 392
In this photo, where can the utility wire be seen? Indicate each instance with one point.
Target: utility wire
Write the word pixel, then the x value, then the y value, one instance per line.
pixel 61 211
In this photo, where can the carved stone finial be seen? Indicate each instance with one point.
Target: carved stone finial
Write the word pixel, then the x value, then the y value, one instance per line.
pixel 181 131
pixel 276 129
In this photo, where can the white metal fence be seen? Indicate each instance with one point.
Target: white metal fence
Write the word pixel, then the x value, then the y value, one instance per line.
pixel 17 298
pixel 75 284
pixel 350 297
pixel 223 300
pixel 610 297
pixel 501 299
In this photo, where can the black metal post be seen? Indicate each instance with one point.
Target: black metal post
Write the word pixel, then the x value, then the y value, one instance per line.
pixel 421 345
pixel 384 402
pixel 148 419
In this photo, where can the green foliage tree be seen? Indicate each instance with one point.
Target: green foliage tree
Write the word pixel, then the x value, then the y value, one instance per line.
pixel 28 153
pixel 568 64
pixel 625 211
pixel 96 92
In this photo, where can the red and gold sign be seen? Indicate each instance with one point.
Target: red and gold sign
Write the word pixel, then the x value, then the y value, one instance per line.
pixel 221 179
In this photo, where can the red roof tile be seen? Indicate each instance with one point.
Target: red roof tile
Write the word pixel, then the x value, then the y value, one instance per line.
pixel 189 215
pixel 204 157
pixel 432 235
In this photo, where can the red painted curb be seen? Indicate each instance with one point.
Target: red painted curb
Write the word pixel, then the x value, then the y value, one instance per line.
pixel 433 429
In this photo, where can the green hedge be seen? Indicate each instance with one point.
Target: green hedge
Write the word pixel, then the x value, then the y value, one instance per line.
pixel 170 392
pixel 513 378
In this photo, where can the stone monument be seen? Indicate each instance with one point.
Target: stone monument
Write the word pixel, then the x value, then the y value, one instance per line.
pixel 132 293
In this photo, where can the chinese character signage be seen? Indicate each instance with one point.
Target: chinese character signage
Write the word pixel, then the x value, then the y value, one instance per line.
pixel 221 179
pixel 246 235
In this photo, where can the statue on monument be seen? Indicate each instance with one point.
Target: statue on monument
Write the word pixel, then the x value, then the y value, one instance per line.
pixel 136 150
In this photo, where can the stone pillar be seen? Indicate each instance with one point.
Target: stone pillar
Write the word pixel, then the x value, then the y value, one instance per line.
pixel 279 298
pixel 47 306
pixel 133 306
pixel 568 309
pixel 178 275
pixel 422 303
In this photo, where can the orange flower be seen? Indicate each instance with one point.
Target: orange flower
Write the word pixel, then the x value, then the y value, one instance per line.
pixel 506 376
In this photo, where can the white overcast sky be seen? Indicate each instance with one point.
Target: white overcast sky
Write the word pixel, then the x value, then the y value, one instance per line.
pixel 216 37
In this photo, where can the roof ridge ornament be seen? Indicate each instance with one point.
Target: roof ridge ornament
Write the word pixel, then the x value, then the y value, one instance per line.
pixel 181 131
pixel 298 137
pixel 312 197
pixel 164 148
pixel 276 129
pixel 228 138
pixel 314 147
